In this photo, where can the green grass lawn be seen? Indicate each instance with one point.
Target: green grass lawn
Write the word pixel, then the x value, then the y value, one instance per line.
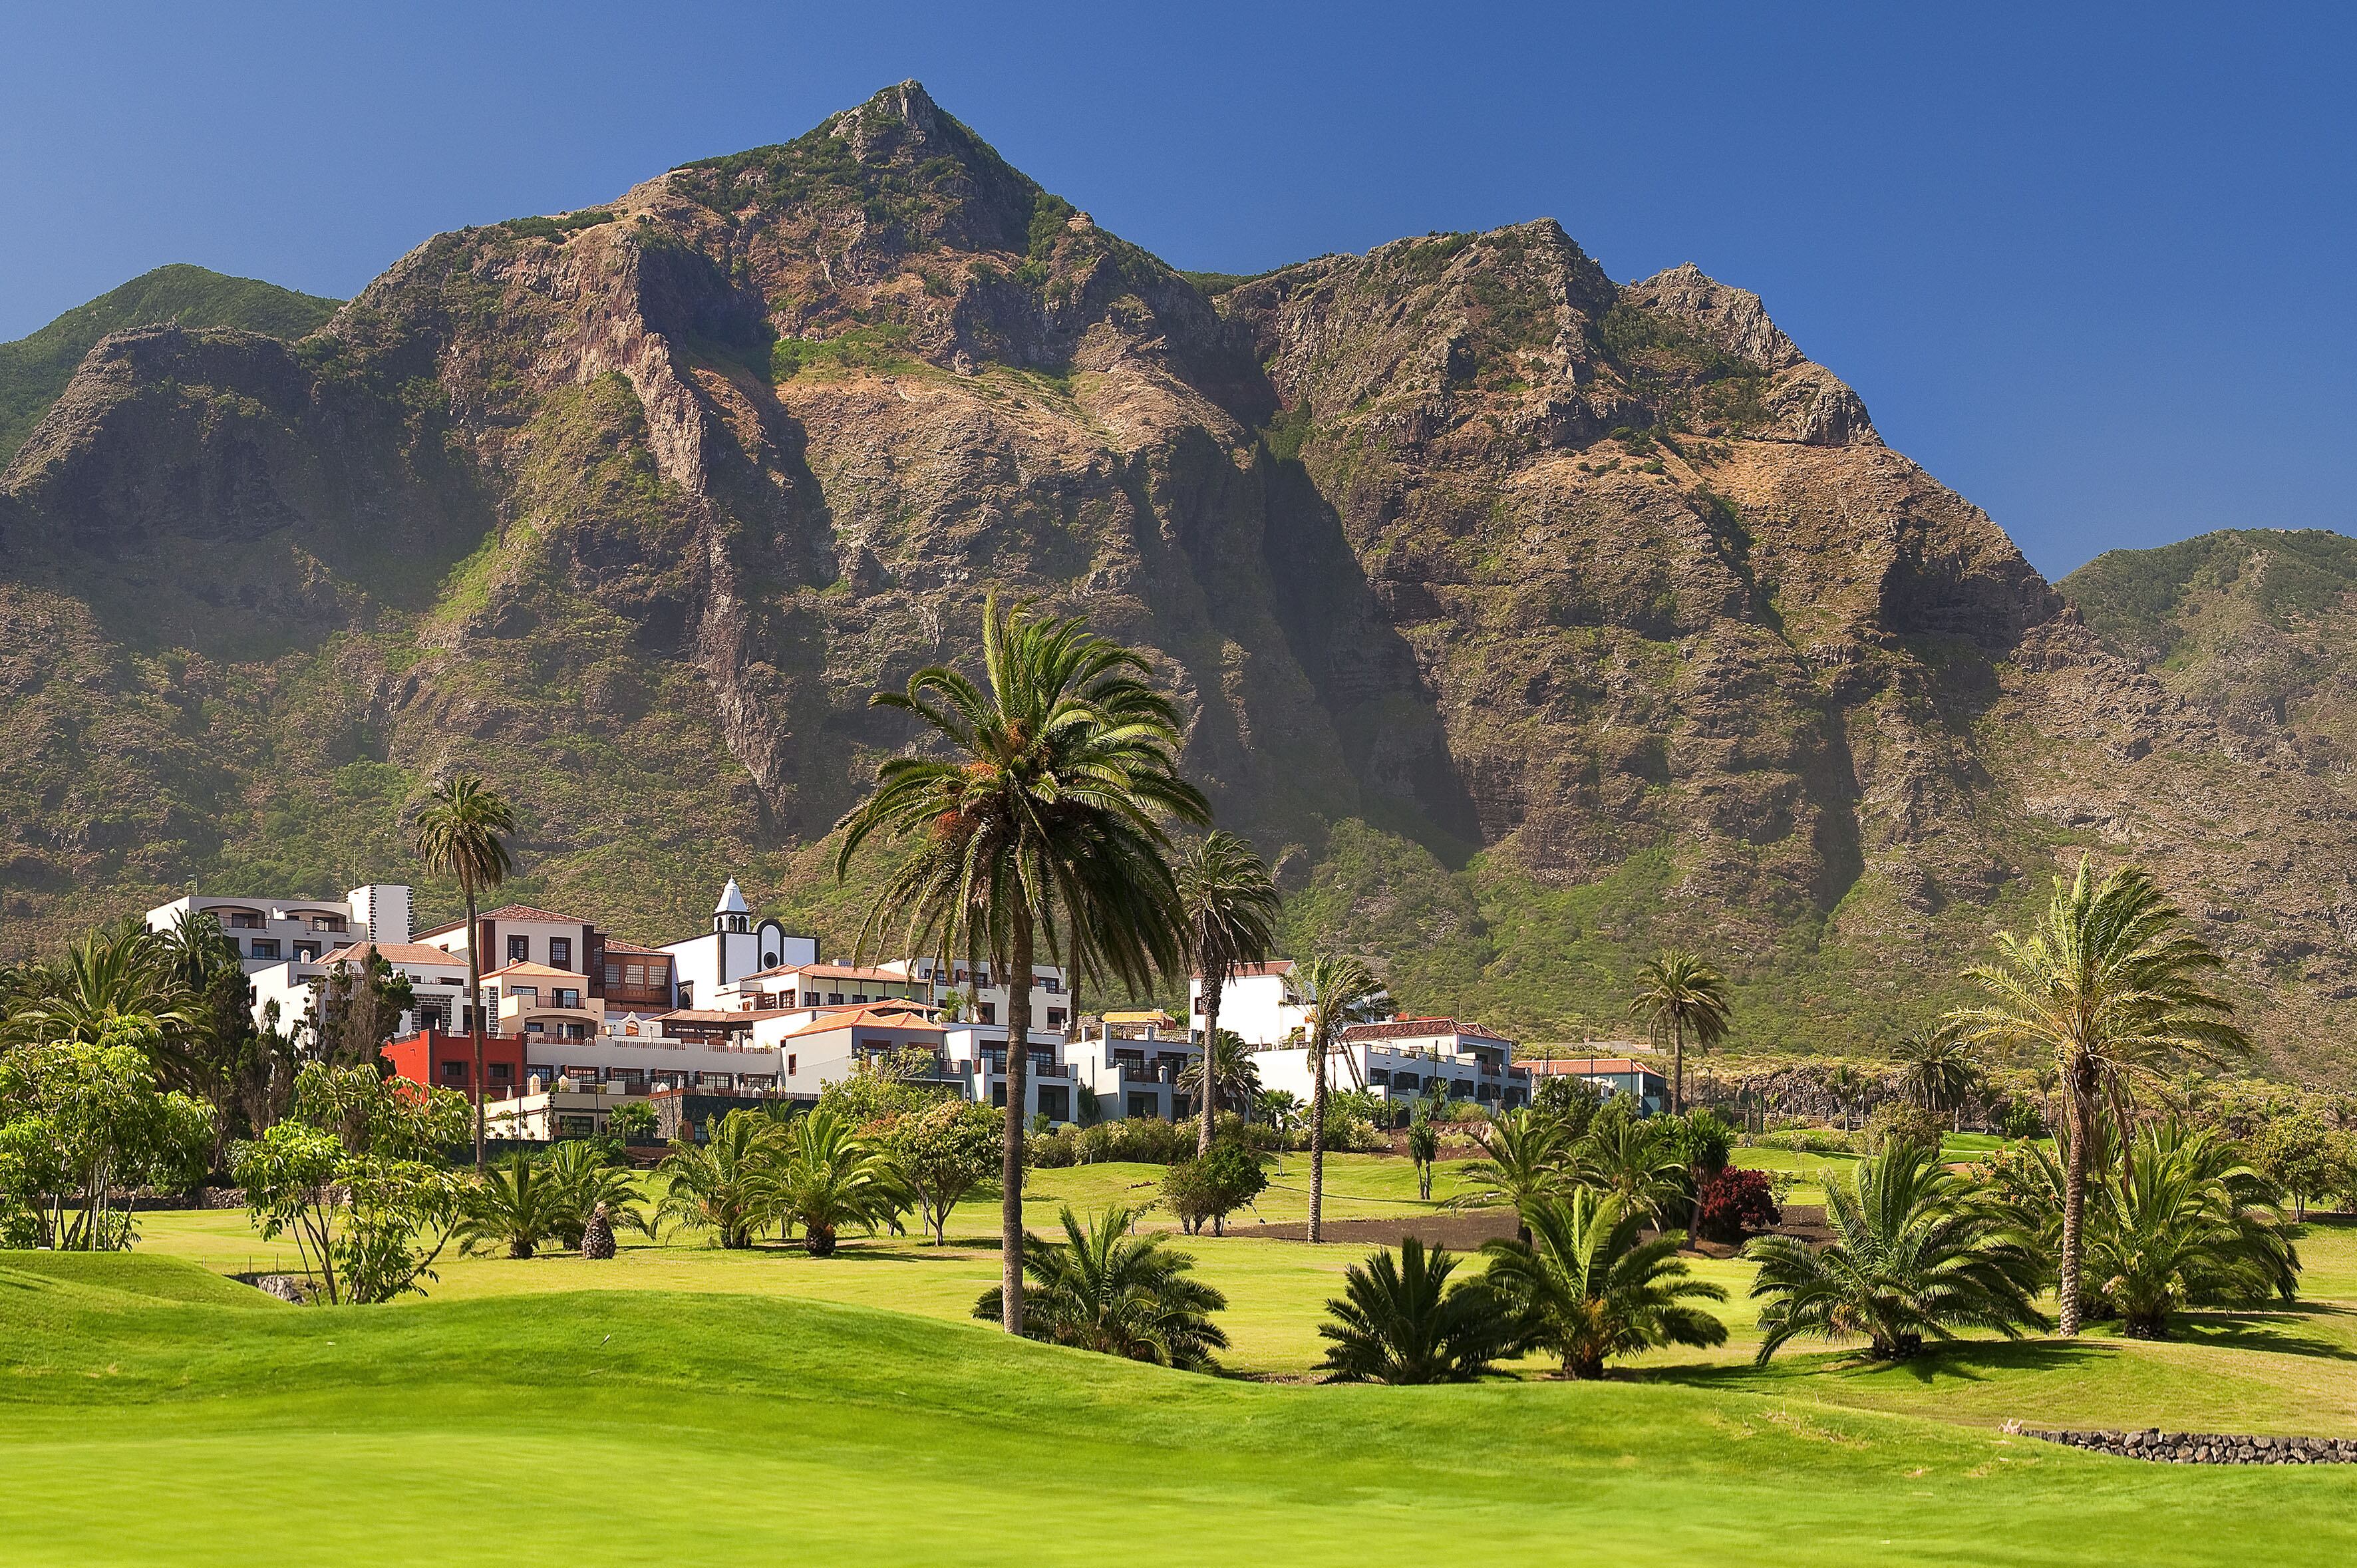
pixel 683 1397
pixel 148 1420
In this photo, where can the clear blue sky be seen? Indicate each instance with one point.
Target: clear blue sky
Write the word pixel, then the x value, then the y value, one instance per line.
pixel 2098 271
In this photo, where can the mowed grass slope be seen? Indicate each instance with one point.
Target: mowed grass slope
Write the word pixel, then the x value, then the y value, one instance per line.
pixel 146 1421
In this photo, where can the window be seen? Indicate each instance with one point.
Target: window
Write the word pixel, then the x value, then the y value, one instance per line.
pixel 453 1072
pixel 810 998
pixel 1050 984
pixel 769 961
pixel 519 949
pixel 790 1065
pixel 576 1031
pixel 502 1072
pixel 834 998
pixel 244 920
pixel 634 976
pixel 613 974
pixel 306 952
pixel 858 996
pixel 565 996
pixel 521 993
pixel 1403 1080
pixel 1378 1076
pixel 327 922
pixel 560 952
pixel 265 947
pixel 1141 1105
pixel 989 1012
pixel 1055 1018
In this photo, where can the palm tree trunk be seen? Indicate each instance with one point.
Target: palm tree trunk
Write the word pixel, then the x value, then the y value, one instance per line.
pixel 1213 986
pixel 1317 1132
pixel 1010 1164
pixel 2075 1211
pixel 475 1012
pixel 1677 1063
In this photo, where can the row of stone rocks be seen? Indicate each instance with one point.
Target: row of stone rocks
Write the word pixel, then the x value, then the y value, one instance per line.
pixel 2210 1447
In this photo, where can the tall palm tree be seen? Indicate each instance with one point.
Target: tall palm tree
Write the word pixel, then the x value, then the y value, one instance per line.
pixel 1526 1160
pixel 1589 1286
pixel 462 834
pixel 2115 988
pixel 1918 1250
pixel 1935 1071
pixel 1229 902
pixel 1678 994
pixel 1341 992
pixel 1106 1290
pixel 1040 828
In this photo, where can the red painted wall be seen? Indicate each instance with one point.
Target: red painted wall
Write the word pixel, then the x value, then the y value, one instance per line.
pixel 419 1058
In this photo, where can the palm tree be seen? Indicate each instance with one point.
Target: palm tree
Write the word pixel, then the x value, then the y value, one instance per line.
pixel 1526 1161
pixel 1041 828
pixel 1229 903
pixel 1588 1285
pixel 579 1170
pixel 2185 1223
pixel 1400 1321
pixel 1103 1289
pixel 462 834
pixel 517 1205
pixel 727 1184
pixel 832 1177
pixel 1935 1071
pixel 1424 1148
pixel 1635 1160
pixel 1845 1083
pixel 1341 992
pixel 114 984
pixel 1236 1076
pixel 2114 987
pixel 1677 993
pixel 1917 1251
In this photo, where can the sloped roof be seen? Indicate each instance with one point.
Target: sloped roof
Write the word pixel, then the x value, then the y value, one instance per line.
pixel 833 972
pixel 615 945
pixel 732 900
pixel 1150 1015
pixel 902 1018
pixel 392 953
pixel 1580 1066
pixel 1422 1029
pixel 535 971
pixel 1248 970
pixel 508 912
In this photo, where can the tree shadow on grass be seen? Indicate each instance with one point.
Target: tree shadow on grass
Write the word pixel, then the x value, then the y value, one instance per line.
pixel 1969 1361
pixel 2283 1331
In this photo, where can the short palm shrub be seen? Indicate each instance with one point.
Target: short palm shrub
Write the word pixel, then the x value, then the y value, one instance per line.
pixel 1103 1289
pixel 727 1184
pixel 829 1178
pixel 517 1205
pixel 1401 1320
pixel 1589 1285
pixel 1635 1160
pixel 1524 1161
pixel 584 1179
pixel 1918 1252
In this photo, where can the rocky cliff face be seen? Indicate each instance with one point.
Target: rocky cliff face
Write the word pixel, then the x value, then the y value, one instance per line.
pixel 1527 618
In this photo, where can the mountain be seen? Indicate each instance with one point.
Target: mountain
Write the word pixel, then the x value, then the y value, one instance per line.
pixel 35 369
pixel 1525 618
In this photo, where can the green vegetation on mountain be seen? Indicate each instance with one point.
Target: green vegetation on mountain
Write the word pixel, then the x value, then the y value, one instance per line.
pixel 35 369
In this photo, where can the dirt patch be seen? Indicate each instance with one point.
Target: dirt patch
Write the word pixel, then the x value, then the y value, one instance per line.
pixel 1457 1232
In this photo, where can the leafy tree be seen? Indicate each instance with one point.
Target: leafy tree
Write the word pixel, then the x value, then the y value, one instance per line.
pixel 1588 1286
pixel 1635 1160
pixel 1571 1103
pixel 353 1173
pixel 518 1205
pixel 462 833
pixel 1936 1072
pixel 357 1009
pixel 2115 988
pixel 2303 1157
pixel 1678 994
pixel 81 1121
pixel 1236 1076
pixel 727 1184
pixel 240 1067
pixel 1106 1290
pixel 1424 1148
pixel 943 1153
pixel 1229 903
pixel 1897 1121
pixel 1917 1251
pixel 831 1177
pixel 1400 1320
pixel 1212 1187
pixel 1525 1160
pixel 1341 991
pixel 1040 829
pixel 1733 1201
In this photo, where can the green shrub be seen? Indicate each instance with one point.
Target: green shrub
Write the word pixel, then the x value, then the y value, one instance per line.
pixel 1214 1187
pixel 880 346
pixel 1899 1122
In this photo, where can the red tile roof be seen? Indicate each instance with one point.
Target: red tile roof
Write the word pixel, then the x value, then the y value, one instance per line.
pixel 1583 1065
pixel 905 1019
pixel 509 912
pixel 835 972
pixel 1247 971
pixel 393 952
pixel 1422 1029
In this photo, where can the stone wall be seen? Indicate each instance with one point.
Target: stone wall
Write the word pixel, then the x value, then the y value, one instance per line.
pixel 2209 1447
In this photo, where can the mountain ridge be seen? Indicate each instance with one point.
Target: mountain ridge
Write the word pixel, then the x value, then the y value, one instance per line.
pixel 1525 618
